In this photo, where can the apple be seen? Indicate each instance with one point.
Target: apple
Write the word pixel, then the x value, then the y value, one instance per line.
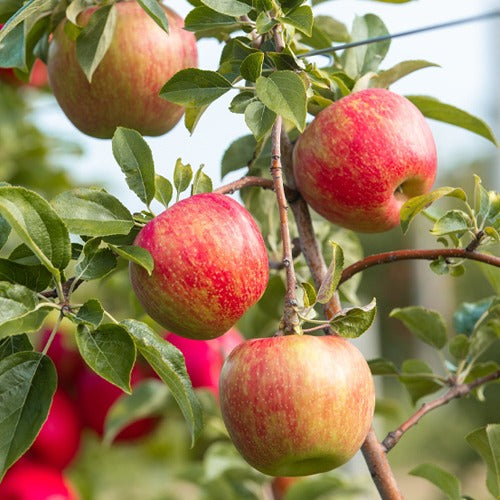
pixel 59 438
pixel 204 358
pixel 362 157
pixel 210 266
pixel 125 86
pixel 297 405
pixel 95 396
pixel 27 480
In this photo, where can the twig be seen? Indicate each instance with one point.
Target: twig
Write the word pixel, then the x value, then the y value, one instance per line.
pixel 253 181
pixel 396 255
pixel 66 286
pixel 457 391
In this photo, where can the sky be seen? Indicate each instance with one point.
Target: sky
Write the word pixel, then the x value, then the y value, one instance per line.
pixel 466 56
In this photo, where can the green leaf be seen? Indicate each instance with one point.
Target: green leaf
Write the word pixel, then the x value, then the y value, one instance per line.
pixel 23 410
pixel 284 93
pixel 432 108
pixel 453 221
pixel 4 231
pixel 251 67
pixel 320 487
pixel 155 12
pixel 18 312
pixel 228 7
pixel 37 225
pixel 300 18
pixel 93 212
pixel 459 346
pixel 192 117
pixel 238 154
pixel 468 314
pixel 35 278
pixel 95 38
pixel 74 9
pixel 264 23
pixel 90 313
pixel 418 379
pixel 134 156
pixel 380 366
pixel 201 182
pixel 486 442
pixel 182 177
pixel 14 343
pixel 148 398
pixel 135 254
pixel 95 262
pixel 386 78
pixel 309 294
pixel 163 190
pixel 168 362
pixel 259 119
pixel 426 324
pixel 332 278
pixel 418 203
pixel 203 18
pixel 195 87
pixel 109 351
pixel 354 321
pixel 241 101
pixel 446 482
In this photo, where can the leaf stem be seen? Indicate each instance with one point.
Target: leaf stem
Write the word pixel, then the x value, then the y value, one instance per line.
pixel 53 333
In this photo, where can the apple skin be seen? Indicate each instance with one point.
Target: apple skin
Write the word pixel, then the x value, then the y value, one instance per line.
pixel 58 441
pixel 297 405
pixel 210 266
pixel 125 86
pixel 353 157
pixel 27 480
pixel 204 358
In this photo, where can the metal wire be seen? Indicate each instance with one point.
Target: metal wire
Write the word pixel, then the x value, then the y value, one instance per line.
pixel 480 17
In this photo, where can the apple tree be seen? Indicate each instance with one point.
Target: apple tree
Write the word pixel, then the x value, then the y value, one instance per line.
pixel 331 152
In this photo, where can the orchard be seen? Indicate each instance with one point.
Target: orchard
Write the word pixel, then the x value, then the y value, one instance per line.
pixel 212 344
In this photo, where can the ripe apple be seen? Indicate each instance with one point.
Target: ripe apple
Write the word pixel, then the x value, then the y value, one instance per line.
pixel 125 86
pixel 27 480
pixel 297 405
pixel 95 396
pixel 210 266
pixel 59 438
pixel 204 358
pixel 362 157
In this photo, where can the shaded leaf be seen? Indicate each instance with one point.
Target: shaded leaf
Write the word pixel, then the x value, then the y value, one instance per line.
pixel 459 346
pixel 228 7
pixel 259 119
pixel 201 182
pixel 14 343
pixel 155 12
pixel 164 190
pixel 203 18
pixel 135 254
pixel 309 294
pixel 380 366
pixel 446 482
pixel 453 221
pixel 4 231
pixel 96 262
pixel 35 278
pixel 354 321
pixel 183 173
pixel 332 278
pixel 418 379
pixel 468 314
pixel 251 67
pixel 90 313
pixel 300 18
pixel 238 154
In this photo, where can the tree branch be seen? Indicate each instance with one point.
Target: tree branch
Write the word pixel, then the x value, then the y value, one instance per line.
pixel 244 182
pixel 396 255
pixel 457 391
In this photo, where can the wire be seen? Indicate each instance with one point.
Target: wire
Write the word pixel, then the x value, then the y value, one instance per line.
pixel 382 38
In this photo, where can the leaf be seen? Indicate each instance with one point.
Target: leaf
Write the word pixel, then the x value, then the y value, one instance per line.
pixel 203 18
pixel 93 212
pixel 284 93
pixel 109 351
pixel 333 274
pixel 418 379
pixel 229 7
pixel 426 324
pixel 241 101
pixel 381 366
pixel 486 442
pixel 23 410
pixel 4 231
pixel 251 67
pixel 238 154
pixel 168 362
pixel 95 263
pixel 354 321
pixel 155 12
pixel 459 346
pixel 74 9
pixel 468 314
pixel 135 254
pixel 95 38
pixel 418 203
pixel 309 294
pixel 35 278
pixel 432 108
pixel 259 119
pixel 192 117
pixel 201 182
pixel 14 343
pixel 90 313
pixel 300 18
pixel 195 87
pixel 182 176
pixel 446 482
pixel 264 23
pixel 386 78
pixel 37 225
pixel 148 398
pixel 163 190
pixel 453 221
pixel 320 487
pixel 18 312
pixel 134 156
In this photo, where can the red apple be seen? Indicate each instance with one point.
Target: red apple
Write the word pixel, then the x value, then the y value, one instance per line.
pixel 204 358
pixel 125 86
pixel 27 480
pixel 210 266
pixel 362 157
pixel 59 438
pixel 95 396
pixel 297 405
